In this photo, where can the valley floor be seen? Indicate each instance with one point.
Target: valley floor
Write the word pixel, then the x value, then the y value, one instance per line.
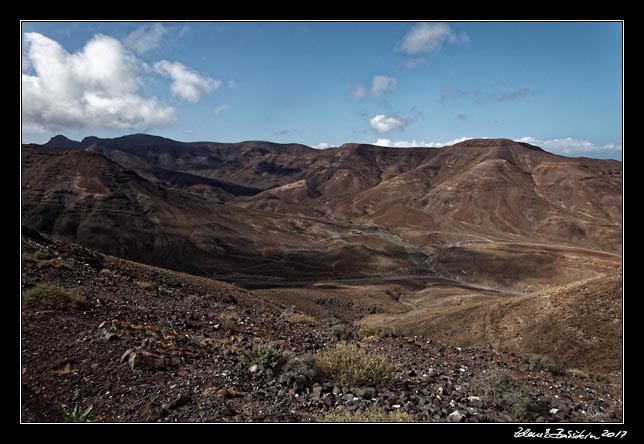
pixel 155 345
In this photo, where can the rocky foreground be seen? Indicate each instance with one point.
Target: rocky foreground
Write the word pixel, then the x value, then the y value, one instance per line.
pixel 145 344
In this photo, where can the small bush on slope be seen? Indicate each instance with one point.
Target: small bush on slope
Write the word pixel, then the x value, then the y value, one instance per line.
pixel 378 330
pixel 50 297
pixel 268 356
pixel 348 364
pixel 499 389
pixel 372 415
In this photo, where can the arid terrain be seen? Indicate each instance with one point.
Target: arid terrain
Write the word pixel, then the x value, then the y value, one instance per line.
pixel 483 266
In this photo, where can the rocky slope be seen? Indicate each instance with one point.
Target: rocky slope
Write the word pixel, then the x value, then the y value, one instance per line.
pixel 156 345
pixel 495 187
pixel 86 198
pixel 577 325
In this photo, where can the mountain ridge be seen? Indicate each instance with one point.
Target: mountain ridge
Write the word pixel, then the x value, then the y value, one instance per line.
pixel 61 141
pixel 426 198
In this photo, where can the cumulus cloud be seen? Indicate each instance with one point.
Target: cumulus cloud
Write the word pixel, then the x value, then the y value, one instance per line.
pixel 94 87
pixel 220 109
pixel 570 146
pixel 188 84
pixel 416 144
pixel 146 38
pixel 380 85
pixel 426 38
pixel 321 146
pixel 383 124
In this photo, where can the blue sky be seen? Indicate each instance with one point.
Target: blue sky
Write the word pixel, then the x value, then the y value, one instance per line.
pixel 557 85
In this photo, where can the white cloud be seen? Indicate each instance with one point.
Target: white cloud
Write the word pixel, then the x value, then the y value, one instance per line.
pixel 189 131
pixel 26 64
pixel 220 109
pixel 94 87
pixel 570 145
pixel 430 37
pixel 232 84
pixel 383 124
pixel 321 146
pixel 414 143
pixel 380 85
pixel 186 83
pixel 146 38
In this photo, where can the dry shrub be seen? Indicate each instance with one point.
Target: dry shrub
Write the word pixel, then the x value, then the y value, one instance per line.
pixel 300 318
pixel 378 330
pixel 374 414
pixel 348 364
pixel 50 297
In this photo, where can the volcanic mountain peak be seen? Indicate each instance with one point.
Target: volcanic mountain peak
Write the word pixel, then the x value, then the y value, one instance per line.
pixel 355 146
pixel 495 143
pixel 60 141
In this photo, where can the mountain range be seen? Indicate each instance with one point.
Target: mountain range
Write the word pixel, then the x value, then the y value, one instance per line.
pixel 287 211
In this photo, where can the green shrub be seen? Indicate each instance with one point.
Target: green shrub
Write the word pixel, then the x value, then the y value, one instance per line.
pixel 266 355
pixel 541 363
pixel 499 389
pixel 78 415
pixel 50 297
pixel 348 364
pixel 578 373
pixel 378 330
pixel 374 414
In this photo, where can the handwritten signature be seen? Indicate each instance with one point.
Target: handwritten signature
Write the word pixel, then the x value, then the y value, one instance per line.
pixel 567 434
